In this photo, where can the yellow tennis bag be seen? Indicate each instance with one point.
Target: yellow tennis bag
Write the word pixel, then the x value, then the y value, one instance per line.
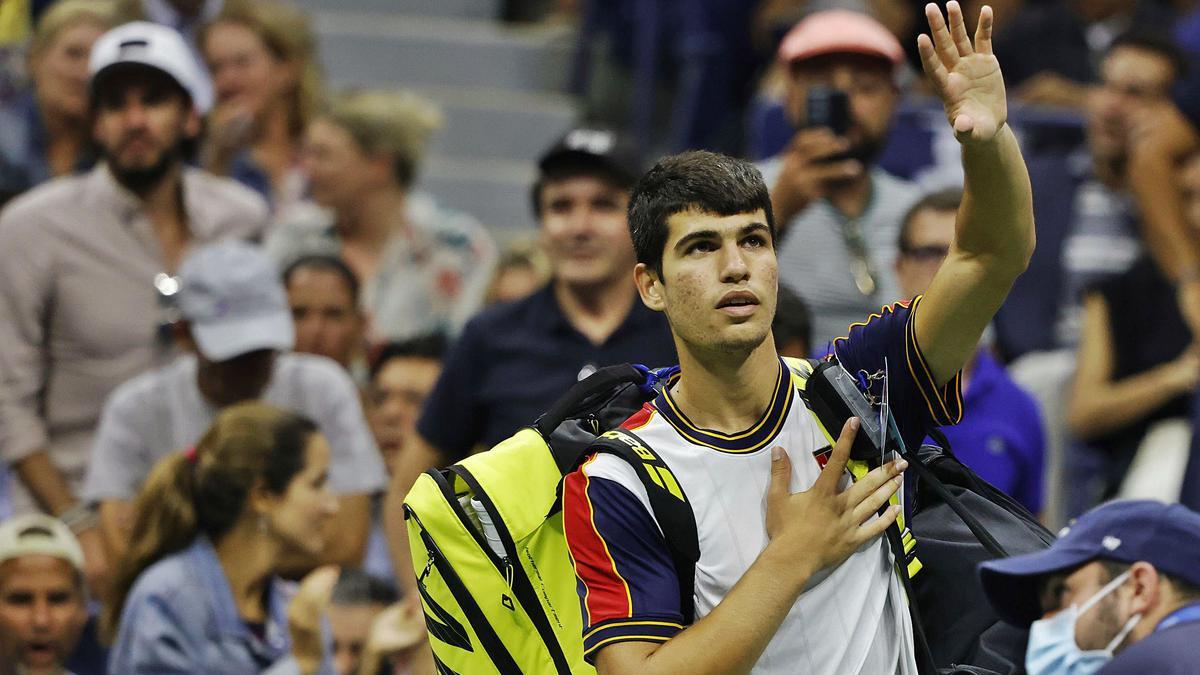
pixel 486 534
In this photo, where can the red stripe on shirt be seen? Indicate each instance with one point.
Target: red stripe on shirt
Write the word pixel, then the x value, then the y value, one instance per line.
pixel 606 592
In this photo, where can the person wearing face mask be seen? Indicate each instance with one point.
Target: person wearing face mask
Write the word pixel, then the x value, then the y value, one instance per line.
pixel 1117 594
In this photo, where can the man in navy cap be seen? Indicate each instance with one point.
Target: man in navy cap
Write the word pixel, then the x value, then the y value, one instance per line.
pixel 1123 580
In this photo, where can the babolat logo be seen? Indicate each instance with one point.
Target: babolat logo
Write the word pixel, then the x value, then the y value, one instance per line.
pixel 653 466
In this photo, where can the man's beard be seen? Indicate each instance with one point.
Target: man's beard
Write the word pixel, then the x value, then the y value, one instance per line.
pixel 141 180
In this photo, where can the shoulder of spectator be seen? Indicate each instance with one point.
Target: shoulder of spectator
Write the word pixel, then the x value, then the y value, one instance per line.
pixel 27 213
pixel 247 210
pixel 449 226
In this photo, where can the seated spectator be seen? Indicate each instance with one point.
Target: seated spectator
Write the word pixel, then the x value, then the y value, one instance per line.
pixel 837 213
pixel 1117 594
pixel 235 317
pixel 43 604
pixel 521 271
pixel 514 360
pixel 78 260
pixel 45 133
pixel 323 294
pixel 424 269
pixel 401 378
pixel 357 600
pixel 1000 436
pixel 261 54
pixel 199 590
pixel 1135 374
pixel 792 326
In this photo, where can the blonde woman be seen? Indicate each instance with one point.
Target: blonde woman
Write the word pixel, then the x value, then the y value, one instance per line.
pixel 46 133
pixel 197 590
pixel 424 269
pixel 261 55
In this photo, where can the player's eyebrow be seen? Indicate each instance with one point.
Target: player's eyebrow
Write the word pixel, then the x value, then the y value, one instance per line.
pixel 700 235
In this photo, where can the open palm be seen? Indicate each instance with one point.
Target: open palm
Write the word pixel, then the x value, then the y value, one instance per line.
pixel 966 76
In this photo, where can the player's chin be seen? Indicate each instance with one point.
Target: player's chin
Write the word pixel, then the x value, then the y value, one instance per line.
pixel 740 338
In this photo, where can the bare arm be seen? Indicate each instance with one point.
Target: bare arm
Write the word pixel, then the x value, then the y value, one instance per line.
pixel 1163 139
pixel 1099 404
pixel 45 482
pixel 417 457
pixel 116 525
pixel 994 235
pixel 809 531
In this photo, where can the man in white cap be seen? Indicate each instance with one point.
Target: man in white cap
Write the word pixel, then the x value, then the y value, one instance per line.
pixel 236 319
pixel 78 261
pixel 42 602
pixel 838 214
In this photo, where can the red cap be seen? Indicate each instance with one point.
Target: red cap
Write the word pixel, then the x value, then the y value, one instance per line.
pixel 839 31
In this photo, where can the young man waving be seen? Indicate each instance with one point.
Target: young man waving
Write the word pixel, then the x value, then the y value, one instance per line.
pixel 794 574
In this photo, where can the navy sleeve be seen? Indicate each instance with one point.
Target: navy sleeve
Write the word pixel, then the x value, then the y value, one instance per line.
pixel 628 589
pixel 452 419
pixel 888 341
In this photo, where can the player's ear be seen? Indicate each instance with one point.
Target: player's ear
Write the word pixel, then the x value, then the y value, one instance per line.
pixel 649 286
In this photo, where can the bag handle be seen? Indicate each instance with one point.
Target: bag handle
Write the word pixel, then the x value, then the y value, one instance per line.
pixel 583 395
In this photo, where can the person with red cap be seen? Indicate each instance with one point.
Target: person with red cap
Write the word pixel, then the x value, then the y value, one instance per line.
pixel 838 214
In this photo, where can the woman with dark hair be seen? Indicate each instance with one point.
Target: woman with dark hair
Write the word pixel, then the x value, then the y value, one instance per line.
pixel 197 590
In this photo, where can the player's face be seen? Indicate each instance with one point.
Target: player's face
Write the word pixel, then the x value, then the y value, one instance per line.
pixel 42 612
pixel 584 231
pixel 719 281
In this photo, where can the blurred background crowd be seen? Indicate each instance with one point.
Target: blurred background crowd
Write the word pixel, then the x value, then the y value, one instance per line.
pixel 399 226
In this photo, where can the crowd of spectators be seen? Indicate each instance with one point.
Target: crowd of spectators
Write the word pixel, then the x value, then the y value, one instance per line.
pixel 233 331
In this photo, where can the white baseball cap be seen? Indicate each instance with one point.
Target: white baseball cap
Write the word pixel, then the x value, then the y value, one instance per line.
pixel 39 534
pixel 157 47
pixel 231 295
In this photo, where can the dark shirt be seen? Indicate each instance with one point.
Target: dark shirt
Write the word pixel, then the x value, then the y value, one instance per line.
pixel 23 144
pixel 1147 330
pixel 512 361
pixel 1172 651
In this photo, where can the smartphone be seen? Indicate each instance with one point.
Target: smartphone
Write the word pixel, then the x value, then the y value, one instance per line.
pixel 828 107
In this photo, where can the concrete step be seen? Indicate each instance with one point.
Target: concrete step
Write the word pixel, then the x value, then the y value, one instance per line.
pixel 463 9
pixel 496 192
pixel 390 49
pixel 497 124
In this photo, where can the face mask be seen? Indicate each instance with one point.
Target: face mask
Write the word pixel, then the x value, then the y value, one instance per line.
pixel 1052 649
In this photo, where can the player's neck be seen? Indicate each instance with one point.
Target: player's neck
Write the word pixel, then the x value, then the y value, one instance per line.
pixel 726 392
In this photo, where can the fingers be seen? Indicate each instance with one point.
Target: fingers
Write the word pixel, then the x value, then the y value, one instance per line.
pixel 781 475
pixel 876 499
pixel 877 477
pixel 817 143
pixel 958 29
pixel 983 31
pixel 943 44
pixel 836 466
pixel 876 527
pixel 931 64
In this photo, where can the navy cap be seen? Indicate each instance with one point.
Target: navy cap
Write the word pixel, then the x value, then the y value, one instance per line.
pixel 606 149
pixel 1127 531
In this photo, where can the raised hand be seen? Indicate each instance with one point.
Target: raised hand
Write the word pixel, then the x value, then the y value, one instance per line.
pixel 966 77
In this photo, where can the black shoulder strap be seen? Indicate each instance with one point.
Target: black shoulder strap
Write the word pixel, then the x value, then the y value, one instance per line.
pixel 670 505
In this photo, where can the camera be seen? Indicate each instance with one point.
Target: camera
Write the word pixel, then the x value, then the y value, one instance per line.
pixel 828 107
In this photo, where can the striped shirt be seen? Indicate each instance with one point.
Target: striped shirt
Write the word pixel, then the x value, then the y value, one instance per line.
pixel 849 619
pixel 816 262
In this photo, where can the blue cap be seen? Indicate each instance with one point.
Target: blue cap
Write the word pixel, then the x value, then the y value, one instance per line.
pixel 1165 535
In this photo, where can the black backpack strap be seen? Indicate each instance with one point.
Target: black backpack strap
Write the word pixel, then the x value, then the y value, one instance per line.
pixel 587 394
pixel 671 508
